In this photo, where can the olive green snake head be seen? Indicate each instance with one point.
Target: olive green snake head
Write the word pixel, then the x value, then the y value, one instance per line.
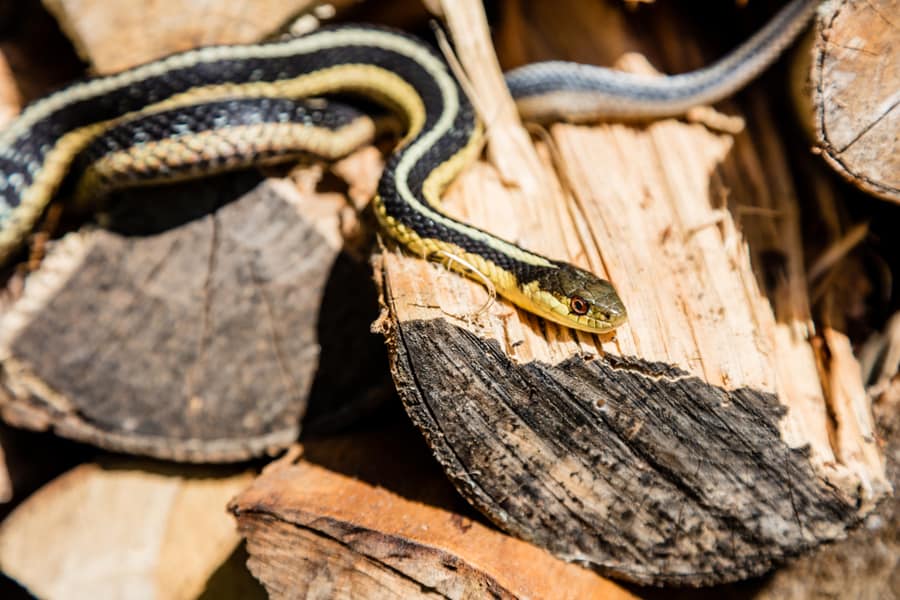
pixel 575 298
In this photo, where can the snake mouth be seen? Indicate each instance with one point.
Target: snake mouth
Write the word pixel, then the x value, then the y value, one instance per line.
pixel 606 324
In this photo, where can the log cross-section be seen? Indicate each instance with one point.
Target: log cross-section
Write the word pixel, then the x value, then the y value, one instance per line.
pixel 853 86
pixel 198 343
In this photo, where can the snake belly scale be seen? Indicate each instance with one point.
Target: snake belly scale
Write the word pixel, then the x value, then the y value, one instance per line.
pixel 141 125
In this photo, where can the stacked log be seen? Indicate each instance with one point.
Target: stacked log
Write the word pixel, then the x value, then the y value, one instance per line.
pixel 848 92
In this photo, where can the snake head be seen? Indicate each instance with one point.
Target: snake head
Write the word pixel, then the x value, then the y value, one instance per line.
pixel 579 299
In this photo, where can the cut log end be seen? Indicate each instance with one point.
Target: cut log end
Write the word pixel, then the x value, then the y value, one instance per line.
pixel 853 75
pixel 198 343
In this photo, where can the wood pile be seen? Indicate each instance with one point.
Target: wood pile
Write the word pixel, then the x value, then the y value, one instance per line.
pixel 256 325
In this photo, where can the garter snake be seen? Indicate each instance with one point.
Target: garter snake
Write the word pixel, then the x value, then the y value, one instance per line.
pixel 222 107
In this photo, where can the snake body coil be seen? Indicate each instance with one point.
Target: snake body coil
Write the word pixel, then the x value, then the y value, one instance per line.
pixel 218 108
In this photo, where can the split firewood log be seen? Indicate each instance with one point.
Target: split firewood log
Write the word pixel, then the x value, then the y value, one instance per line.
pixel 193 326
pixel 718 432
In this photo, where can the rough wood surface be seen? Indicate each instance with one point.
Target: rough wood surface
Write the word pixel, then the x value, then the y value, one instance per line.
pixel 120 529
pixel 609 460
pixel 116 35
pixel 699 444
pixel 365 517
pixel 854 84
pixel 197 343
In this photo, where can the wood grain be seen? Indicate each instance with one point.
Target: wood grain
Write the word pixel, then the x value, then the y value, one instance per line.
pixel 198 343
pixel 635 467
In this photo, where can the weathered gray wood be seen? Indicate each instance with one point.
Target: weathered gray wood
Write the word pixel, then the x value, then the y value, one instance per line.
pixel 198 343
pixel 635 468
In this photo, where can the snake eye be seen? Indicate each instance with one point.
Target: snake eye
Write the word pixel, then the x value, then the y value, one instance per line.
pixel 578 305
